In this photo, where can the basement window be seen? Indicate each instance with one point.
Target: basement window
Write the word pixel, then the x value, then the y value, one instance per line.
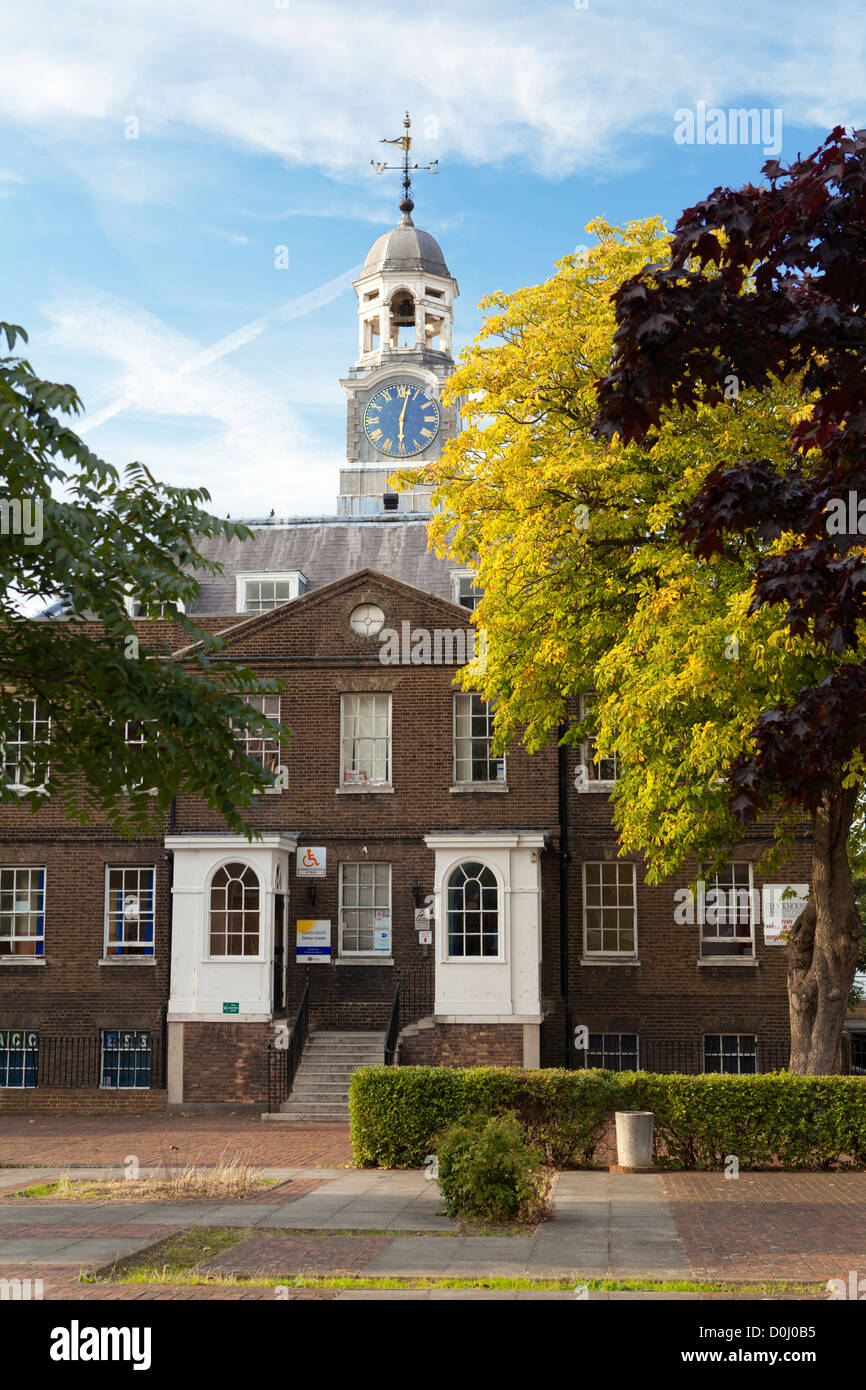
pixel 613 1051
pixel 731 1054
pixel 125 1061
pixel 19 1058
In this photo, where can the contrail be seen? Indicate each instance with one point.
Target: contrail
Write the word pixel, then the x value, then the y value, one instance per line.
pixel 294 309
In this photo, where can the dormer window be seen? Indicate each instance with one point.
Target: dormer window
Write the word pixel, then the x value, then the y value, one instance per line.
pixel 465 591
pixel 138 607
pixel 267 589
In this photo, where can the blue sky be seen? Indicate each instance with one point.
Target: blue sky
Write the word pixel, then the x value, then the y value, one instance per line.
pixel 137 265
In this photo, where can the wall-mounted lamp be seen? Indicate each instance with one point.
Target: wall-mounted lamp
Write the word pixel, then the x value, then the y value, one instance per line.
pixel 311 893
pixel 416 893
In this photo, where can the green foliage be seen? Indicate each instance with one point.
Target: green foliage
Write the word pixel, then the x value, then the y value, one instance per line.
pixel 587 584
pixel 100 538
pixel 810 1123
pixel 488 1171
pixel 397 1111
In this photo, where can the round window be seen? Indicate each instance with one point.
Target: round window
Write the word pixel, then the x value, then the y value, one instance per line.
pixel 367 619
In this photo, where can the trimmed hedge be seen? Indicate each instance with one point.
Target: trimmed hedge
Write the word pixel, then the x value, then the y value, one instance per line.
pixel 774 1120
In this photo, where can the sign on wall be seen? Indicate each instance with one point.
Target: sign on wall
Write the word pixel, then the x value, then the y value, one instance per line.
pixel 382 932
pixel 313 942
pixel 782 904
pixel 311 862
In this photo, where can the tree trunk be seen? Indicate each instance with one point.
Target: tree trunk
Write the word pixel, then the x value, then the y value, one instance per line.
pixel 822 953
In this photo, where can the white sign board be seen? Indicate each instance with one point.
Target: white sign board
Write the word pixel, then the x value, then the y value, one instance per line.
pixel 425 938
pixel 782 904
pixel 311 862
pixel 313 942
pixel 382 932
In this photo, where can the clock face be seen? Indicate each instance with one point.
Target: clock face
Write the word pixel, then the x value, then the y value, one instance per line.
pixel 401 419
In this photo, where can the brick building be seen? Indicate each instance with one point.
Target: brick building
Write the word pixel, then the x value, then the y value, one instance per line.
pixel 158 970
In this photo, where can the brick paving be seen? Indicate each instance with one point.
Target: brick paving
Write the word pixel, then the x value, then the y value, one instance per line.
pixel 60 1283
pixel 289 1255
pixel 84 1140
pixel 770 1225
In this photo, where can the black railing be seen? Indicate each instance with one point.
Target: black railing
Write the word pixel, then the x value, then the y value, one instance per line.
pixel 690 1056
pixel 392 1032
pixel 417 994
pixel 76 1063
pixel 284 1054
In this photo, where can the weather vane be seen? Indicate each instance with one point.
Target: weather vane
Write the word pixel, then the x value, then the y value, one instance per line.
pixel 404 142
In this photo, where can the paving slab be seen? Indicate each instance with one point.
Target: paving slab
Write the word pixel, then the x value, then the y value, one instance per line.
pixel 68 1250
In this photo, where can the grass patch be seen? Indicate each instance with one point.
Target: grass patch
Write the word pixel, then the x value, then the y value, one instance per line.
pixel 173 1261
pixel 231 1177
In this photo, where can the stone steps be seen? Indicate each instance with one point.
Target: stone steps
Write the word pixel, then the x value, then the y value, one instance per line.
pixel 321 1089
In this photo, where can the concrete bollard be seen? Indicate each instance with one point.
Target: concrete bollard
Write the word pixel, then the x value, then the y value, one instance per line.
pixel 634 1138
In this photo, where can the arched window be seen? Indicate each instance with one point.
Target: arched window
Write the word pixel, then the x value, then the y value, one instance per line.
pixel 473 911
pixel 402 319
pixel 234 911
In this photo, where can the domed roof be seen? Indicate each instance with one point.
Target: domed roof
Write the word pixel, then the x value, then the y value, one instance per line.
pixel 406 248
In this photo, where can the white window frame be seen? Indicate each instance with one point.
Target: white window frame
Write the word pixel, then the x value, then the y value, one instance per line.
pixel 23 788
pixel 296 578
pixel 590 783
pixel 221 959
pixel 603 954
pixel 28 936
pixel 459 781
pixel 133 601
pixel 138 742
pixel 739 1054
pixel 136 951
pixel 465 859
pixel 245 738
pixel 710 931
pixel 356 783
pixel 456 576
pixel 373 954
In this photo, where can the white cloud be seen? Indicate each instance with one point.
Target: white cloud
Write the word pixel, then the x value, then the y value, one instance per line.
pixel 218 426
pixel 554 87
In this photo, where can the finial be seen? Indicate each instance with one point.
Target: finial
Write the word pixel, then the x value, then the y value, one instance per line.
pixel 404 142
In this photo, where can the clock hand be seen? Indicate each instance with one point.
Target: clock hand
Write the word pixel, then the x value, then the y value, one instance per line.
pixel 402 413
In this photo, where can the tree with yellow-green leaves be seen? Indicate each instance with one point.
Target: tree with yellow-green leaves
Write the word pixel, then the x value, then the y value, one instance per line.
pixel 587 584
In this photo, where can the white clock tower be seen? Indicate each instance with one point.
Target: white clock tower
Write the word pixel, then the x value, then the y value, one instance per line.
pixel 406 299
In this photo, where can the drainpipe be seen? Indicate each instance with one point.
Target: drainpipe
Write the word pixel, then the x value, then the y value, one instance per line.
pixel 172 817
pixel 564 861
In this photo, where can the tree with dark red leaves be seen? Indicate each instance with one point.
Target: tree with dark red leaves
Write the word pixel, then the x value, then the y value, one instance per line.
pixel 767 282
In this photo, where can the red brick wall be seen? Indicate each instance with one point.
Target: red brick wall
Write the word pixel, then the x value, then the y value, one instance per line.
pixel 226 1062
pixel 465 1045
pixel 43 1100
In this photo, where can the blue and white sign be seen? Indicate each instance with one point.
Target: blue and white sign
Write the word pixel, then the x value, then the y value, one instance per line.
pixel 313 942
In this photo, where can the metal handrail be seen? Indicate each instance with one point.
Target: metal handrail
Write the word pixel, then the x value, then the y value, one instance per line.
pixel 283 1061
pixel 393 1030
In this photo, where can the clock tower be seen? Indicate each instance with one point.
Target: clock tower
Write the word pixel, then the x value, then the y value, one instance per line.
pixel 406 299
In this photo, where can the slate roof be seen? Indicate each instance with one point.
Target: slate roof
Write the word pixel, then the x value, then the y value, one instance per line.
pixel 325 549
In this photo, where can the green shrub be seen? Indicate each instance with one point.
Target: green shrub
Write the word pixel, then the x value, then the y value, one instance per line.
pixel 487 1171
pixel 796 1122
pixel 396 1111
